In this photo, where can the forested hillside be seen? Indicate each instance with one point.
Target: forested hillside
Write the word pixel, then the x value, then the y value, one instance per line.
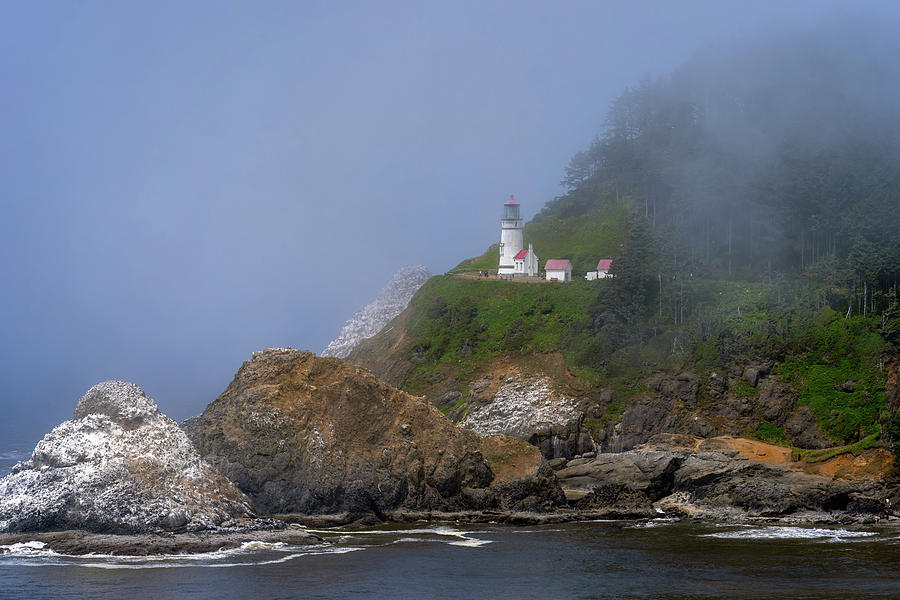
pixel 751 203
pixel 764 189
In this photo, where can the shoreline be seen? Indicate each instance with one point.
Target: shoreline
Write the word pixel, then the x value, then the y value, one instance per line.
pixel 295 532
pixel 81 543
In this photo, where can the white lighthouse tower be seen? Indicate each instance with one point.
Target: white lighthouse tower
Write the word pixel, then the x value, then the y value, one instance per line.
pixel 511 237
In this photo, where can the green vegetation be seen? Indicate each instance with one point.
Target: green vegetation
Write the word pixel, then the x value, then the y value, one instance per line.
pixel 770 433
pixel 458 323
pixel 742 228
pixel 815 456
pixel 840 376
pixel 486 262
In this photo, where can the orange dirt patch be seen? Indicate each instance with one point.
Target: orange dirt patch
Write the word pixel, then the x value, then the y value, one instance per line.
pixel 871 464
pixel 757 451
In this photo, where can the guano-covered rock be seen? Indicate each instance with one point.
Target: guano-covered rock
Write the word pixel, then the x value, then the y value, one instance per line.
pixel 120 466
pixel 391 301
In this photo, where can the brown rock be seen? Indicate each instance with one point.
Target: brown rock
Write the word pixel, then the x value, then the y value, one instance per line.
pixel 302 434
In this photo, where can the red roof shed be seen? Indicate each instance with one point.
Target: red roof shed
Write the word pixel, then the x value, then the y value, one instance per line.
pixel 556 263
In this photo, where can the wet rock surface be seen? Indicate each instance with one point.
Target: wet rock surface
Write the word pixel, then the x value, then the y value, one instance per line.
pixel 120 466
pixel 303 434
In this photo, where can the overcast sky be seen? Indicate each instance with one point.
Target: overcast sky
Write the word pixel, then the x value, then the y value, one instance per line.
pixel 183 183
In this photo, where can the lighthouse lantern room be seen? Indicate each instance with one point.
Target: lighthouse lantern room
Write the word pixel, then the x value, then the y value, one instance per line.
pixel 511 237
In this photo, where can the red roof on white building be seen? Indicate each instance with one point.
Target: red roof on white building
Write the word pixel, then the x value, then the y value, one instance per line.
pixel 557 264
pixel 604 264
pixel 522 254
pixel 510 201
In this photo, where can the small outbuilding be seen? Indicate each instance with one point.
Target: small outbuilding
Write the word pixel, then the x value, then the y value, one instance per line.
pixel 558 269
pixel 602 271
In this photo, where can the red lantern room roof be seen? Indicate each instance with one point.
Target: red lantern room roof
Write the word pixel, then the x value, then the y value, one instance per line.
pixel 510 201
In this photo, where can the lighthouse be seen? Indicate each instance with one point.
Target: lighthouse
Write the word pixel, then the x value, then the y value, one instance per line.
pixel 511 237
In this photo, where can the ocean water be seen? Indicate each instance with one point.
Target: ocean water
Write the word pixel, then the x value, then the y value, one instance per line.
pixel 661 559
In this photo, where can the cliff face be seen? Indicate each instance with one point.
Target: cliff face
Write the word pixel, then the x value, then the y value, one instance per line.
pixel 303 434
pixel 119 466
pixel 392 300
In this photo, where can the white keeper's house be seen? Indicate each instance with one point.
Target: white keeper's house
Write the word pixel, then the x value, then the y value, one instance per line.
pixel 526 262
pixel 558 269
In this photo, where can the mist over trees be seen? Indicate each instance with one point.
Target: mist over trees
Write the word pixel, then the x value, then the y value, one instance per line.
pixel 769 159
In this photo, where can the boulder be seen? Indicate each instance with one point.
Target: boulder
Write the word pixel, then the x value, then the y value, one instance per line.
pixel 776 401
pixel 626 483
pixel 641 421
pixel 303 434
pixel 448 399
pixel 717 385
pixel 120 466
pixel 801 426
pixel 751 375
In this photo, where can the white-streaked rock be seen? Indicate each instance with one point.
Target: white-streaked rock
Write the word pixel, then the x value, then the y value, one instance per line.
pixel 119 466
pixel 392 301
pixel 519 407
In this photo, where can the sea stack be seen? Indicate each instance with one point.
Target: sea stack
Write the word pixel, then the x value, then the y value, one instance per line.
pixel 119 466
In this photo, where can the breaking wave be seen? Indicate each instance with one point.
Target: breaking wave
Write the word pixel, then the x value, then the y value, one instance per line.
pixel 252 553
pixel 458 537
pixel 248 553
pixel 791 533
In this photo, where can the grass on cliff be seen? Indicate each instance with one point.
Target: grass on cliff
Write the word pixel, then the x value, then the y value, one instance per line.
pixel 816 456
pixel 840 350
pixel 457 324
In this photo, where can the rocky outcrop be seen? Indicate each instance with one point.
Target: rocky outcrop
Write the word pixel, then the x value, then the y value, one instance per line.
pixel 392 300
pixel 716 478
pixel 801 427
pixel 674 404
pixel 303 434
pixel 79 542
pixel 530 409
pixel 120 466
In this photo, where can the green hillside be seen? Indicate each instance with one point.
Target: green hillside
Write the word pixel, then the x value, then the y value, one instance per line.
pixel 456 324
pixel 583 239
pixel 744 229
